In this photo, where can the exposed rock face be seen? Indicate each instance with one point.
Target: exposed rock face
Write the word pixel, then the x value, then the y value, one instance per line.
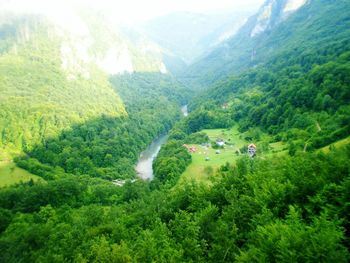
pixel 273 12
pixel 293 5
pixel 264 19
pixel 87 40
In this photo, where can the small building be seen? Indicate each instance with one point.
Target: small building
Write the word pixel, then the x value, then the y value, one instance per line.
pixel 207 158
pixel 220 142
pixel 190 149
pixel 217 152
pixel 252 150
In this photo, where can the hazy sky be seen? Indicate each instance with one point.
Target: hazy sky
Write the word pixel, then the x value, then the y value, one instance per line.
pixel 131 11
pixel 134 10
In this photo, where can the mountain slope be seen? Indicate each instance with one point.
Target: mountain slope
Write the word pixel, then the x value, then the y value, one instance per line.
pixel 63 108
pixel 301 94
pixel 188 35
pixel 276 29
pixel 277 207
pixel 39 96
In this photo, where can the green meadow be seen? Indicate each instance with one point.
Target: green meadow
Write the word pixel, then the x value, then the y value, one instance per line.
pixel 338 144
pixel 11 174
pixel 202 169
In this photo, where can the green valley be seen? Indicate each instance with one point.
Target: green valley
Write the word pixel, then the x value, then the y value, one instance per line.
pixel 114 149
pixel 206 160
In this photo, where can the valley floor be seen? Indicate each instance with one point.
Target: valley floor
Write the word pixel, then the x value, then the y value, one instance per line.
pixel 201 169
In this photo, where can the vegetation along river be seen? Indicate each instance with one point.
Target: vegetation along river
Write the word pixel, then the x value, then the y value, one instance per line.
pixel 144 167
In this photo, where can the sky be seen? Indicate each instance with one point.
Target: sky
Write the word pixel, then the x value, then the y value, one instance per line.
pixel 138 10
pixel 129 11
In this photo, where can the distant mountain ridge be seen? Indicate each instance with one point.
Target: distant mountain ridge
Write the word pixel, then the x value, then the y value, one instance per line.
pixel 263 36
pixel 274 12
pixel 87 37
pixel 189 35
pixel 290 79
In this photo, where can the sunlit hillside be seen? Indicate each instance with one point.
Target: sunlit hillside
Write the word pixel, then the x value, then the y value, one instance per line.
pixel 174 131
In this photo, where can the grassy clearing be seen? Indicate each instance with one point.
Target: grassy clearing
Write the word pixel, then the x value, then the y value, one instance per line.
pixel 231 136
pixel 337 144
pixel 201 170
pixel 11 174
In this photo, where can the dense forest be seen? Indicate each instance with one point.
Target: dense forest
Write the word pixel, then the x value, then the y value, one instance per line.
pixel 280 209
pixel 306 37
pixel 300 93
pixel 81 121
pixel 77 129
pixel 37 99
pixel 108 147
pixel 295 104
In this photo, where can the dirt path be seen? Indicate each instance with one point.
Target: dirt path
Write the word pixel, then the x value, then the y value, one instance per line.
pixel 318 126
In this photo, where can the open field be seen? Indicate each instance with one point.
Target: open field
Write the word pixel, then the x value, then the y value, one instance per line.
pixel 231 136
pixel 337 144
pixel 199 169
pixel 11 174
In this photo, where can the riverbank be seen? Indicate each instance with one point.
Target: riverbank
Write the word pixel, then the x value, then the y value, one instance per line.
pixel 144 166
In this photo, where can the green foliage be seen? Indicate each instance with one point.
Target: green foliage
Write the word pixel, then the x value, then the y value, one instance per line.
pixel 38 100
pixel 312 35
pixel 283 240
pixel 66 121
pixel 171 162
pixel 197 138
pixel 11 174
pixel 311 106
pixel 280 209
pixel 108 147
pixel 297 87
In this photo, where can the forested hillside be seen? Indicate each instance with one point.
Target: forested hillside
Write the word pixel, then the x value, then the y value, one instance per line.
pixel 38 99
pixel 306 106
pixel 258 170
pixel 108 147
pixel 300 95
pixel 63 113
pixel 280 209
pixel 283 39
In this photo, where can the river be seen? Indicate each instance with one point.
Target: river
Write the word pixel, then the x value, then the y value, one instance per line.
pixel 144 168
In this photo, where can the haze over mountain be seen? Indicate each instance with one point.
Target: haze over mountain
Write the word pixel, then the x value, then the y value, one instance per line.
pixel 189 35
pixel 264 35
pixel 167 131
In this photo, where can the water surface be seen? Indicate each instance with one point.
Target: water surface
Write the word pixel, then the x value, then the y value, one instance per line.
pixel 144 167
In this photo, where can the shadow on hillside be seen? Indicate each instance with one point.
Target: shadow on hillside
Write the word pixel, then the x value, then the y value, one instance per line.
pixel 108 147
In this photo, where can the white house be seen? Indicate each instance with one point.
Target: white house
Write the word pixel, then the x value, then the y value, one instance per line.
pixel 252 150
pixel 220 142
